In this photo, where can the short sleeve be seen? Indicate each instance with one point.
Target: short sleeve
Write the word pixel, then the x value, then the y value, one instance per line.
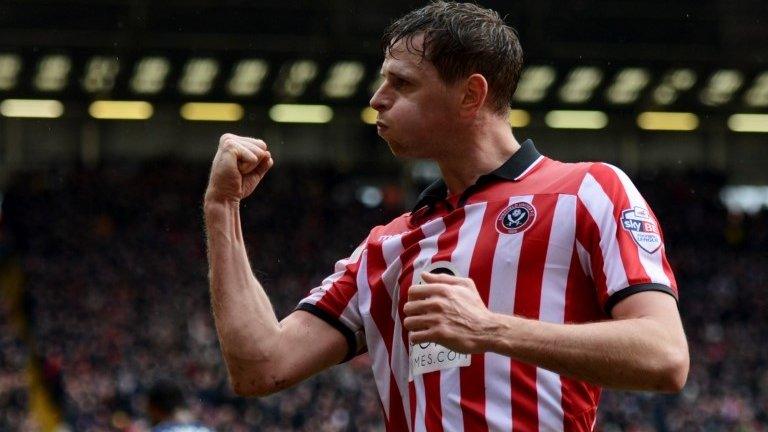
pixel 620 242
pixel 335 301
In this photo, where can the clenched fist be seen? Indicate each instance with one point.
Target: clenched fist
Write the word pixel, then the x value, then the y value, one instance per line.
pixel 239 165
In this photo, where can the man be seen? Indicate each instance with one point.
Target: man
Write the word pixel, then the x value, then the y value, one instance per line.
pixel 167 409
pixel 514 290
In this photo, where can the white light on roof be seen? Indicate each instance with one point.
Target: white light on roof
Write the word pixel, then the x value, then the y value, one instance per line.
pixel 534 83
pixel 674 82
pixel 198 76
pixel 744 198
pixel 247 77
pixel 211 111
pixel 369 115
pixel 31 108
pixel 668 121
pixel 721 87
pixel 292 113
pixel 297 76
pixel 748 122
pixel 564 119
pixel 10 64
pixel 52 73
pixel 343 79
pixel 149 75
pixel 121 110
pixel 757 95
pixel 518 118
pixel 627 86
pixel 100 74
pixel 580 84
pixel 682 79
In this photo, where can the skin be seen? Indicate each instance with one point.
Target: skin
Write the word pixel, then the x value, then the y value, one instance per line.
pixel 420 116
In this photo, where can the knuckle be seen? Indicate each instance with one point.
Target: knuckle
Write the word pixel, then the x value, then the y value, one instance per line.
pixel 226 138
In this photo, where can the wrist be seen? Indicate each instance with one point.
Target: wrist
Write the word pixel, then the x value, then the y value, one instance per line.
pixel 213 206
pixel 495 331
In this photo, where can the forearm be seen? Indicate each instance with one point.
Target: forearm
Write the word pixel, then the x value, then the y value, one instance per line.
pixel 244 317
pixel 630 354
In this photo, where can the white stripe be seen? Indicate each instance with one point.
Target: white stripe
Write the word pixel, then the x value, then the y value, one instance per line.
pixel 501 299
pixel 600 207
pixel 391 249
pixel 552 305
pixel 428 248
pixel 450 379
pixel 650 262
pixel 376 348
pixel 530 167
pixel 421 406
pixel 584 259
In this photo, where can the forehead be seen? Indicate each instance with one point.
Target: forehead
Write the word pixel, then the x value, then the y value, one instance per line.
pixel 405 56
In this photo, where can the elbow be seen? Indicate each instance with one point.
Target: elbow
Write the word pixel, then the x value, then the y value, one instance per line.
pixel 255 384
pixel 256 380
pixel 673 373
pixel 249 387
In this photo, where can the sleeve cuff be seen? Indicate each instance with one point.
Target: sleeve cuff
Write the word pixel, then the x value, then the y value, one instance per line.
pixel 620 295
pixel 336 323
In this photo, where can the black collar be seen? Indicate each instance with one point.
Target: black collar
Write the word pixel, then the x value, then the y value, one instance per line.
pixel 511 170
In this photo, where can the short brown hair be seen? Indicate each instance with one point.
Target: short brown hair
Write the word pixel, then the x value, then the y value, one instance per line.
pixel 461 39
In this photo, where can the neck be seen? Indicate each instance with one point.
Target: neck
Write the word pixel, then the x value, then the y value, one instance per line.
pixel 485 148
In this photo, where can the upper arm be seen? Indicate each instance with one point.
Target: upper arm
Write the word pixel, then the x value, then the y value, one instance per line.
pixel 325 329
pixel 655 305
pixel 307 345
pixel 621 244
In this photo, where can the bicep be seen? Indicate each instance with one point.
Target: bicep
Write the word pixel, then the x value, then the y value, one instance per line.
pixel 307 345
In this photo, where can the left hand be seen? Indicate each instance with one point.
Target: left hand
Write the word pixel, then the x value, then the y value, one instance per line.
pixel 448 310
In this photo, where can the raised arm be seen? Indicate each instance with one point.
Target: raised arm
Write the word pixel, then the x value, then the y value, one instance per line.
pixel 262 355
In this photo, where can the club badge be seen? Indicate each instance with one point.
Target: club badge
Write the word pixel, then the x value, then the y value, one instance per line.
pixel 515 218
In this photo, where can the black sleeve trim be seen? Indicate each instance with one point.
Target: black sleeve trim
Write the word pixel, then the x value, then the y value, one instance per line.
pixel 334 322
pixel 620 295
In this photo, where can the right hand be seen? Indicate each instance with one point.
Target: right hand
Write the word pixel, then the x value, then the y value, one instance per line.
pixel 239 165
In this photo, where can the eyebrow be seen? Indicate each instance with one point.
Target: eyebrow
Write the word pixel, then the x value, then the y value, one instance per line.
pixel 402 75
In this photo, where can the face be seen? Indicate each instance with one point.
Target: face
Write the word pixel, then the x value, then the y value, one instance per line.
pixel 415 107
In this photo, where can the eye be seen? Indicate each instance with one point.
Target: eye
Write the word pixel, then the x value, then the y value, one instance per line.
pixel 398 82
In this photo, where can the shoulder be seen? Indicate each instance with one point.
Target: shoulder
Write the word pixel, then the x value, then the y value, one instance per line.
pixel 394 227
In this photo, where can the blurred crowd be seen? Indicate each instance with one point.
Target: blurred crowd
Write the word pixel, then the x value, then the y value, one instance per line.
pixel 115 268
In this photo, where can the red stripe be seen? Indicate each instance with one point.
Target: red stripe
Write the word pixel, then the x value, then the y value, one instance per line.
pixel 581 305
pixel 630 257
pixel 530 273
pixel 381 313
pixel 588 235
pixel 336 298
pixel 473 376
pixel 446 244
pixel 411 249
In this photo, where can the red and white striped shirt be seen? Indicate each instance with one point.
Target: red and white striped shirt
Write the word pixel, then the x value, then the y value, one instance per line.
pixel 541 239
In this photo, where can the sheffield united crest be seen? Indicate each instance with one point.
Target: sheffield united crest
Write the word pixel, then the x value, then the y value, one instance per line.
pixel 515 218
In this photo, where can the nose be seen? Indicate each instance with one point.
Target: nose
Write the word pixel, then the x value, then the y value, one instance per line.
pixel 379 101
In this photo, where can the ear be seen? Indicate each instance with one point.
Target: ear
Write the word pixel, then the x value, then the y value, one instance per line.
pixel 475 94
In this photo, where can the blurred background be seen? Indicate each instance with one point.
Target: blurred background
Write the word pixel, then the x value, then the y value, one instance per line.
pixel 110 112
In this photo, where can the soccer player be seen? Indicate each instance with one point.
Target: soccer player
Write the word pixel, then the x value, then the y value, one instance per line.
pixel 513 291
